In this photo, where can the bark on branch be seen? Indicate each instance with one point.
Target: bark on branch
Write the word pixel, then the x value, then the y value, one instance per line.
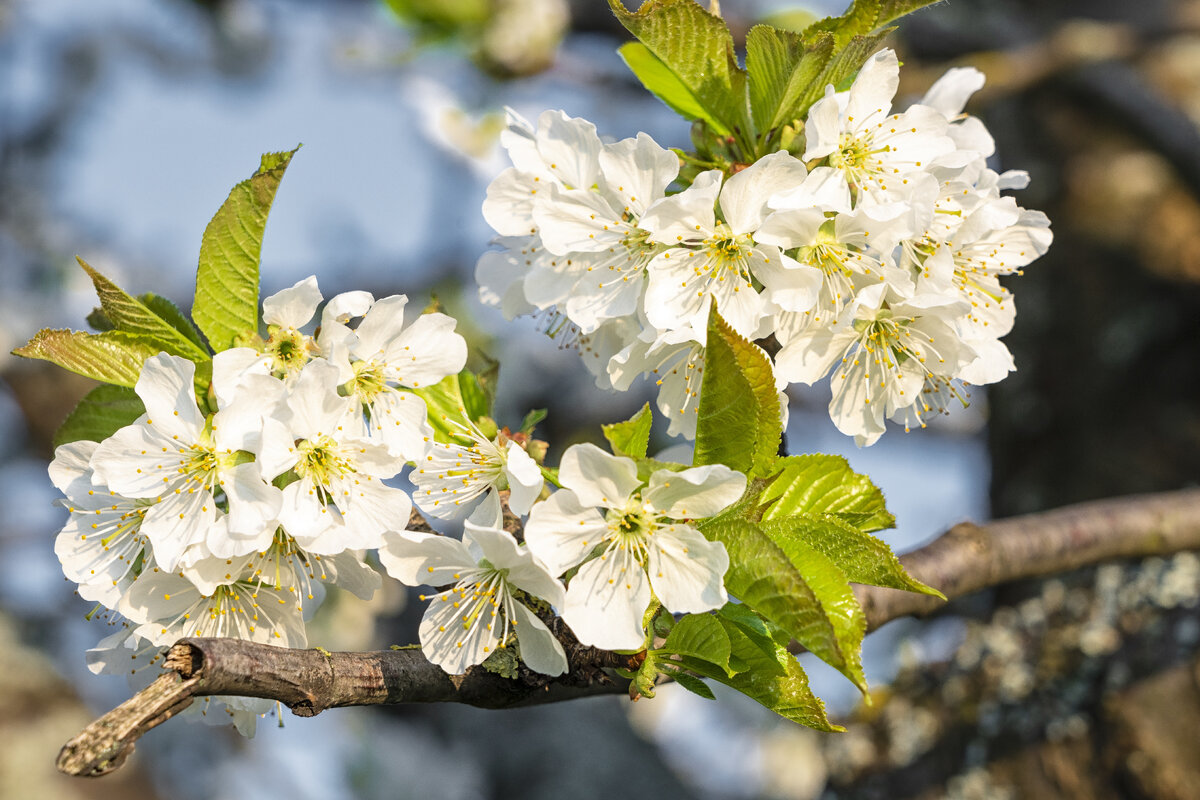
pixel 967 558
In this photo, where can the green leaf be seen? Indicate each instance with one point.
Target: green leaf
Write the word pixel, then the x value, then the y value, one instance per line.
pixel 130 315
pixel 698 49
pixel 831 588
pixel 776 680
pixel 664 84
pixel 531 420
pixel 783 69
pixel 824 484
pixel 739 422
pixel 693 685
pixel 112 357
pixel 799 590
pixel 863 16
pixel 170 313
pixel 862 557
pixel 788 695
pixel 226 304
pixel 101 413
pixel 474 399
pixel 630 438
pixel 446 406
pixel 753 626
pixel 700 636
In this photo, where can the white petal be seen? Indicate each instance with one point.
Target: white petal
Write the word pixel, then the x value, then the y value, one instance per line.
pixel 950 93
pixel 694 493
pixel 427 351
pixel 70 465
pixel 524 572
pixel 570 148
pixel 449 643
pixel 423 559
pixel 638 171
pixel 687 570
pixel 346 570
pixel 398 419
pixel 302 513
pixel 253 503
pixel 524 479
pixel 606 601
pixel 687 216
pixel 598 478
pixel 383 323
pixel 293 307
pixel 745 195
pixel 540 650
pixel 231 367
pixel 165 387
pixel 176 522
pixel 346 306
pixel 578 220
pixel 561 532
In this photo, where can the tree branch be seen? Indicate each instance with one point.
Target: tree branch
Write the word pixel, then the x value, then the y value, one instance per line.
pixel 967 558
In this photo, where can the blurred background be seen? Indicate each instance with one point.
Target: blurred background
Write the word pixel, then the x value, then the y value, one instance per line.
pixel 123 125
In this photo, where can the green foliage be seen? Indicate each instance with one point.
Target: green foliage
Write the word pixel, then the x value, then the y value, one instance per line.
pixel 226 304
pixel 698 49
pixel 739 422
pixel 170 313
pixel 112 356
pixel 694 685
pixel 861 557
pixel 700 636
pixel 531 420
pixel 666 85
pixel 631 438
pixel 443 16
pixel 101 413
pixel 797 588
pixel 685 57
pixel 134 317
pixel 787 694
pixel 454 402
pixel 823 484
pixel 784 69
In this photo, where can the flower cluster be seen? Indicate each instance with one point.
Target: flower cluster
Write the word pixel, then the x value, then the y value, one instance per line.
pixel 873 258
pixel 227 515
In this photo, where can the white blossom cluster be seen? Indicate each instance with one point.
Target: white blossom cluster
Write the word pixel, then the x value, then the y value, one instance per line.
pixel 227 517
pixel 873 259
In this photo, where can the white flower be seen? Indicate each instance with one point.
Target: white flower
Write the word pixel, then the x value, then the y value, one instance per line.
pixel 891 358
pixel 467 622
pixel 338 500
pixel 876 151
pixel 641 538
pixel 563 151
pixel 385 358
pixel 455 480
pixel 847 250
pixel 600 273
pixel 707 258
pixel 285 313
pixel 180 459
pixel 101 545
